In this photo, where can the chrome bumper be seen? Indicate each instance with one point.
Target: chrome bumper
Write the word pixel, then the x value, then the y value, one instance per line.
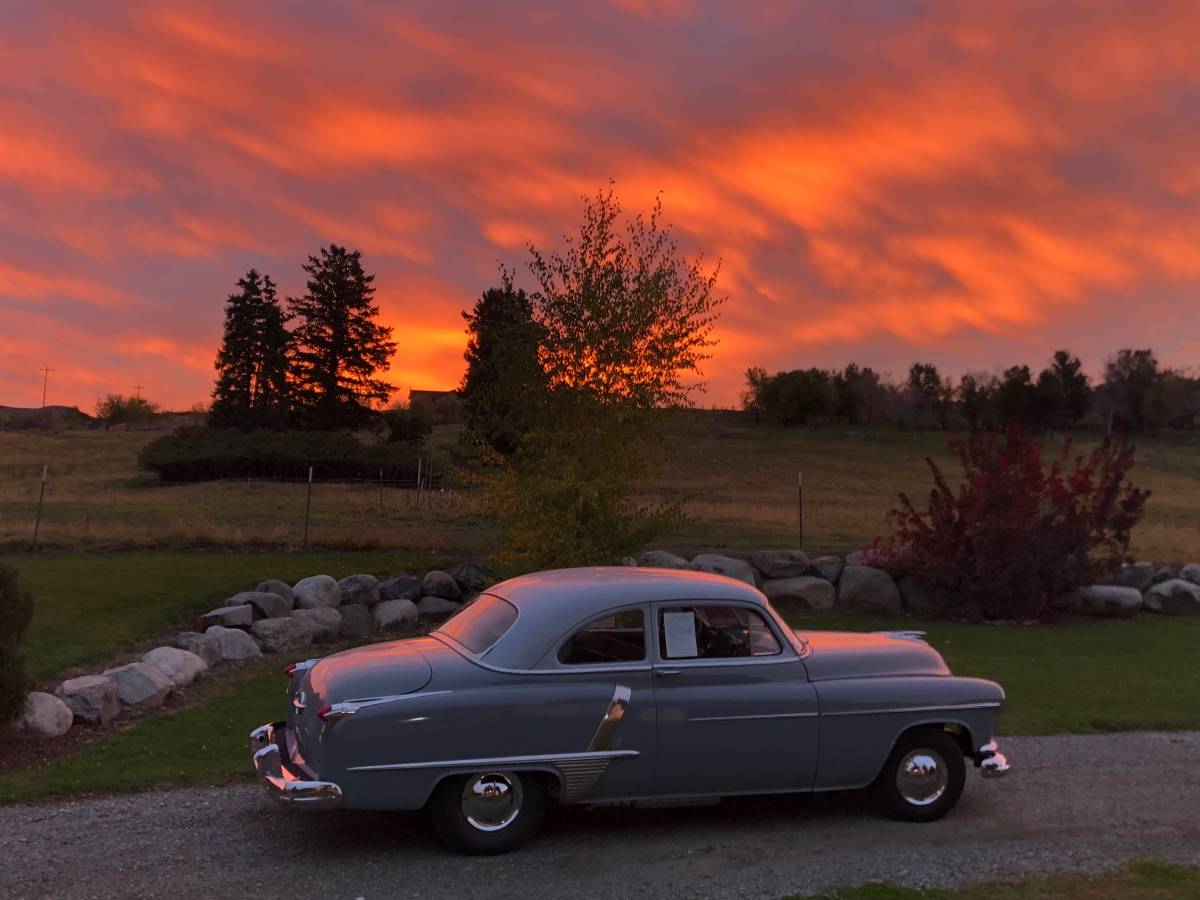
pixel 991 762
pixel 281 783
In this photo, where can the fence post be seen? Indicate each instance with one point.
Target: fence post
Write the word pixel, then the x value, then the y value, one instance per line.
pixel 800 504
pixel 420 459
pixel 37 519
pixel 308 506
pixel 381 490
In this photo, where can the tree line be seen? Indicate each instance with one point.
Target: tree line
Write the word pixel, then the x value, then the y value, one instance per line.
pixel 1136 393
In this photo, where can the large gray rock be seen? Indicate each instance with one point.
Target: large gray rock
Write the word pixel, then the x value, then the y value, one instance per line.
pixel 1138 575
pixel 357 621
pixel 436 607
pixel 92 698
pixel 317 591
pixel 828 567
pixel 661 559
pixel 472 578
pixel 628 561
pixel 323 623
pixel 360 589
pixel 265 604
pixel 804 591
pixel 202 645
pixel 922 598
pixel 276 635
pixel 1106 600
pixel 282 588
pixel 1174 598
pixel 402 587
pixel 182 667
pixel 240 616
pixel 780 563
pixel 441 584
pixel 233 643
pixel 45 715
pixel 140 686
pixel 725 565
pixel 1191 572
pixel 396 615
pixel 862 587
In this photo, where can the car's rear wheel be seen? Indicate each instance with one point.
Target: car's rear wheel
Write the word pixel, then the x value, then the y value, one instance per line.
pixel 488 812
pixel 923 776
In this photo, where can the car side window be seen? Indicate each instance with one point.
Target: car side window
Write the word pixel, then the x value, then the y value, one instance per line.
pixel 618 637
pixel 714 632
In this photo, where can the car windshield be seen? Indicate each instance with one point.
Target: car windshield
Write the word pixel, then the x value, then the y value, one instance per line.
pixel 479 624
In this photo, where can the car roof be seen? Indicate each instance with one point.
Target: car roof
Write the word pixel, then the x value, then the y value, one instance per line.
pixel 549 603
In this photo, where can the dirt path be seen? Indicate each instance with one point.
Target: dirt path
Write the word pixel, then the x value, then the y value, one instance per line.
pixel 1072 803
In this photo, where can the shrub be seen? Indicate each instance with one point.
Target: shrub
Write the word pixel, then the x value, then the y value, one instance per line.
pixel 16 609
pixel 205 454
pixel 1018 535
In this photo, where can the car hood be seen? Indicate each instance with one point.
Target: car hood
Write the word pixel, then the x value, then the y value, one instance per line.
pixel 376 670
pixel 847 654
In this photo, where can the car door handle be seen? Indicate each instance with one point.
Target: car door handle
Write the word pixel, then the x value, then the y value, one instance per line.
pixel 663 673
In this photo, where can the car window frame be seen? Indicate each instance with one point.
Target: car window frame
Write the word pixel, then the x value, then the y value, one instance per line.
pixel 643 660
pixel 550 662
pixel 786 653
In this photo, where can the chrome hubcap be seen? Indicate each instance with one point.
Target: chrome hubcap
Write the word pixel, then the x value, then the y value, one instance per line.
pixel 922 777
pixel 491 801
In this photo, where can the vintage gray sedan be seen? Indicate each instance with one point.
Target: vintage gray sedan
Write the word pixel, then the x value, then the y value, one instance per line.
pixel 611 685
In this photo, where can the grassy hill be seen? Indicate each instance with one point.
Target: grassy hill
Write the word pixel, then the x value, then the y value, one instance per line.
pixel 54 417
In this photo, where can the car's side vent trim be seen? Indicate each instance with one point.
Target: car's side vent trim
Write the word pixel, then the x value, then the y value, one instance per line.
pixel 495 762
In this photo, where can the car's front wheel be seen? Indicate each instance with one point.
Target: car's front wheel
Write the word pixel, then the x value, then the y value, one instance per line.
pixel 488 812
pixel 923 776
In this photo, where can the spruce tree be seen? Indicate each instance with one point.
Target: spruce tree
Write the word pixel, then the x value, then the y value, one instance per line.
pixel 338 348
pixel 252 364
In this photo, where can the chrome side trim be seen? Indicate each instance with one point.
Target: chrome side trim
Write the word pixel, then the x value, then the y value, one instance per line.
pixel 775 659
pixel 360 702
pixel 605 731
pixel 800 715
pixel 912 709
pixel 499 761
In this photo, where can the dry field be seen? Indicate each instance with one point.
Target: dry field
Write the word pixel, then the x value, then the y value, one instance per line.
pixel 738 481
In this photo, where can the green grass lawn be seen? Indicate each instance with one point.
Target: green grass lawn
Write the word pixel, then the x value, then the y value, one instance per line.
pixel 1141 880
pixel 88 607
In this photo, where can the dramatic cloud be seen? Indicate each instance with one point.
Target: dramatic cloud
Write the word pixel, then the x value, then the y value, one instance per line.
pixel 967 184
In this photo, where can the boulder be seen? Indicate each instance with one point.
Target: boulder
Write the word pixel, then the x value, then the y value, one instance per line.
pixel 661 559
pixel 282 588
pixel 863 587
pixel 181 666
pixel 396 615
pixel 233 643
pixel 1174 598
pixel 357 621
pixel 828 567
pixel 240 616
pixel 923 598
pixel 780 563
pixel 441 584
pixel 472 578
pixel 139 685
pixel 287 633
pixel 322 623
pixel 805 591
pixel 436 607
pixel 1106 600
pixel 91 698
pixel 1191 572
pixel 1138 575
pixel 402 587
pixel 317 591
pixel 1161 574
pixel 45 715
pixel 202 645
pixel 359 589
pixel 725 565
pixel 265 604
pixel 628 561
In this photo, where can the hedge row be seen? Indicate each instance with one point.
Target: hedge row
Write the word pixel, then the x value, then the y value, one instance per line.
pixel 207 454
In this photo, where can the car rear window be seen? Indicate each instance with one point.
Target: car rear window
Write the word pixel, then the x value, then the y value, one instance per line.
pixel 479 624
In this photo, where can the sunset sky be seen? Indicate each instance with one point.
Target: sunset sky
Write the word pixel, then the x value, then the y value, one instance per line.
pixel 972 184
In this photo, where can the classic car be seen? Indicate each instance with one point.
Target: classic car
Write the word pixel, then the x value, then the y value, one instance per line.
pixel 606 685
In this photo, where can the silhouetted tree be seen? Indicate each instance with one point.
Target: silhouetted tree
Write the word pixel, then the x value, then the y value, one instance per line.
pixel 117 409
pixel 338 348
pixel 977 398
pixel 1076 386
pixel 929 393
pixel 1131 388
pixel 860 394
pixel 252 363
pixel 1016 397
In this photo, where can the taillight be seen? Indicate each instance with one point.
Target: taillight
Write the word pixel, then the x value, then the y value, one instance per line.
pixel 324 713
pixel 289 669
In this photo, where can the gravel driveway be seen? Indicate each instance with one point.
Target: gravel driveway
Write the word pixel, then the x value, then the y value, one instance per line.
pixel 1071 803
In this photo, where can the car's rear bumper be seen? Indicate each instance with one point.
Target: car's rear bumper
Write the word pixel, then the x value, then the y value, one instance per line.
pixel 991 762
pixel 281 783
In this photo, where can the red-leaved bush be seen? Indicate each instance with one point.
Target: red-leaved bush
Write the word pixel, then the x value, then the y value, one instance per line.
pixel 1019 534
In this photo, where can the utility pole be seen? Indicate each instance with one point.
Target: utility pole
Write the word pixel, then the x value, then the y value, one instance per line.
pixel 45 381
pixel 138 388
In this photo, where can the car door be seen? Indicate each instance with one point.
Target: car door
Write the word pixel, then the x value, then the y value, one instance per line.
pixel 736 712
